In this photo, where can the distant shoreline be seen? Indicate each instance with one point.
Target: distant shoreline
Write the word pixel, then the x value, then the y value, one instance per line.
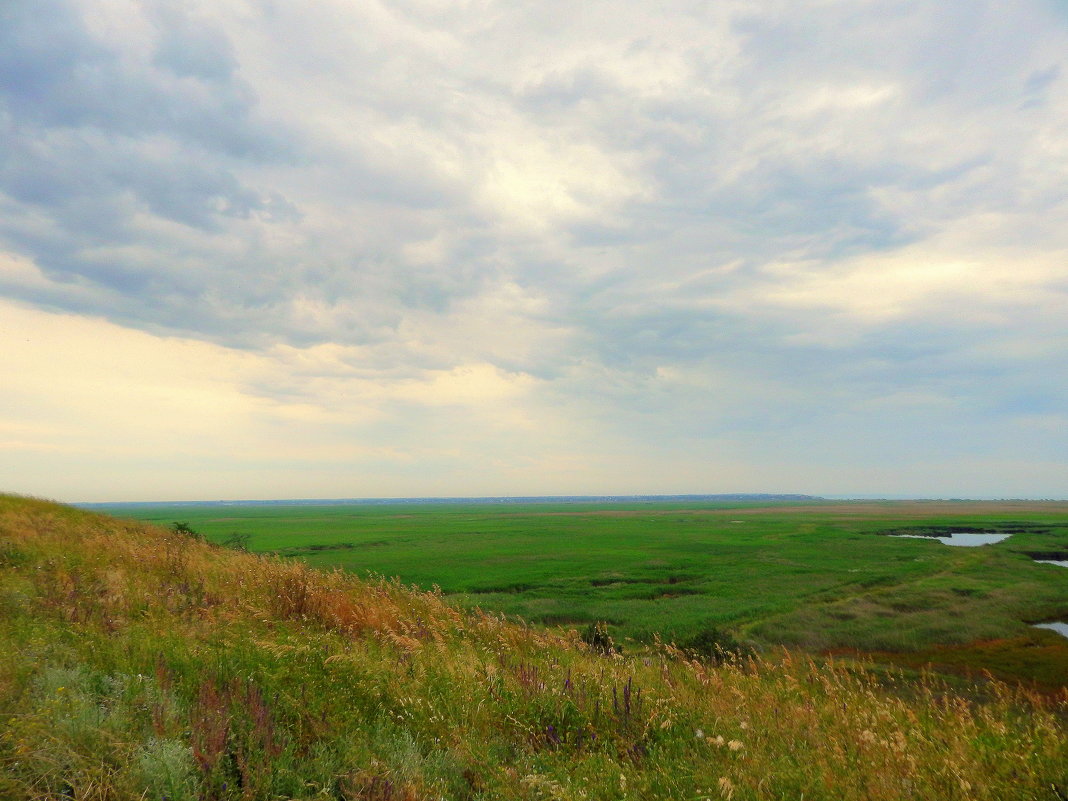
pixel 459 500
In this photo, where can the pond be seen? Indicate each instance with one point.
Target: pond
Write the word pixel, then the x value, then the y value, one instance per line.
pixel 1061 562
pixel 1060 628
pixel 964 539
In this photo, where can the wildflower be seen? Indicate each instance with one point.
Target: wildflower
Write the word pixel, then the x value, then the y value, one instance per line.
pixel 735 745
pixel 719 741
pixel 699 734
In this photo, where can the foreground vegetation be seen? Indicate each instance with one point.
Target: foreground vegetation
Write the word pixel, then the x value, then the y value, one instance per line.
pixel 815 576
pixel 141 662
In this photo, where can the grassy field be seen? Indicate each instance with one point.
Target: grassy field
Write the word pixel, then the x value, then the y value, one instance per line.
pixel 819 576
pixel 140 663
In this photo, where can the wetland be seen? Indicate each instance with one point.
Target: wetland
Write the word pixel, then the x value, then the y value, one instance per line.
pixel 866 576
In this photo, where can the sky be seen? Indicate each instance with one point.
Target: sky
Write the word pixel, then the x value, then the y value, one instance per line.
pixel 397 248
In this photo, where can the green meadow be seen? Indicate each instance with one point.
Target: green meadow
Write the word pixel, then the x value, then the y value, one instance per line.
pixel 820 576
pixel 141 663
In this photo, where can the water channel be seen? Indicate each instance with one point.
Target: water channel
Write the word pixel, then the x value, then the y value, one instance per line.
pixel 964 539
pixel 969 539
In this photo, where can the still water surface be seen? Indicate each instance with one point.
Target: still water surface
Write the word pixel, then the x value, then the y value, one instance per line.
pixel 962 538
pixel 1060 628
pixel 971 540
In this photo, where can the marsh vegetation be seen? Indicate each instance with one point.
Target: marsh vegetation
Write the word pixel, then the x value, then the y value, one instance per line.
pixel 862 577
pixel 141 662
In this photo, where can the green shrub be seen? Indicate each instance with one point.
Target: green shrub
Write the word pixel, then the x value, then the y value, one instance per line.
pixel 596 636
pixel 716 645
pixel 185 530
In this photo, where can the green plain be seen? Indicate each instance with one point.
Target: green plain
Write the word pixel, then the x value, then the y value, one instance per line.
pixel 818 575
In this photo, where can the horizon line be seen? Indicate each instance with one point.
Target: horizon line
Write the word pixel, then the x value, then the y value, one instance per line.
pixel 490 499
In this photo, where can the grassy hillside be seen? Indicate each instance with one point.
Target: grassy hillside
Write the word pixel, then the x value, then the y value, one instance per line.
pixel 141 663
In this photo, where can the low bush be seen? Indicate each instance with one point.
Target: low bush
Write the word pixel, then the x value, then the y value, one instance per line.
pixel 716 645
pixel 599 640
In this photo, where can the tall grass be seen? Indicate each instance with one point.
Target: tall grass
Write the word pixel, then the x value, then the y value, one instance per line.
pixel 140 663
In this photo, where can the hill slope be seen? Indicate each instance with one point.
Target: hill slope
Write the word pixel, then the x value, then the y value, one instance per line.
pixel 143 663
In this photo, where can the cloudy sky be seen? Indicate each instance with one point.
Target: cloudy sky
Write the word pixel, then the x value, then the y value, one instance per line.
pixel 367 248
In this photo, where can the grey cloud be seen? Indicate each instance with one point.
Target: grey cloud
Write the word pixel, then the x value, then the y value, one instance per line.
pixel 42 47
pixel 190 49
pixel 1038 85
pixel 901 394
pixel 293 212
pixel 800 202
pixel 55 74
pixel 411 178
pixel 97 147
pixel 196 195
pixel 795 196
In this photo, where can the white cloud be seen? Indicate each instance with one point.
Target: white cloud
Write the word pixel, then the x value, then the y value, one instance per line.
pixel 623 228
